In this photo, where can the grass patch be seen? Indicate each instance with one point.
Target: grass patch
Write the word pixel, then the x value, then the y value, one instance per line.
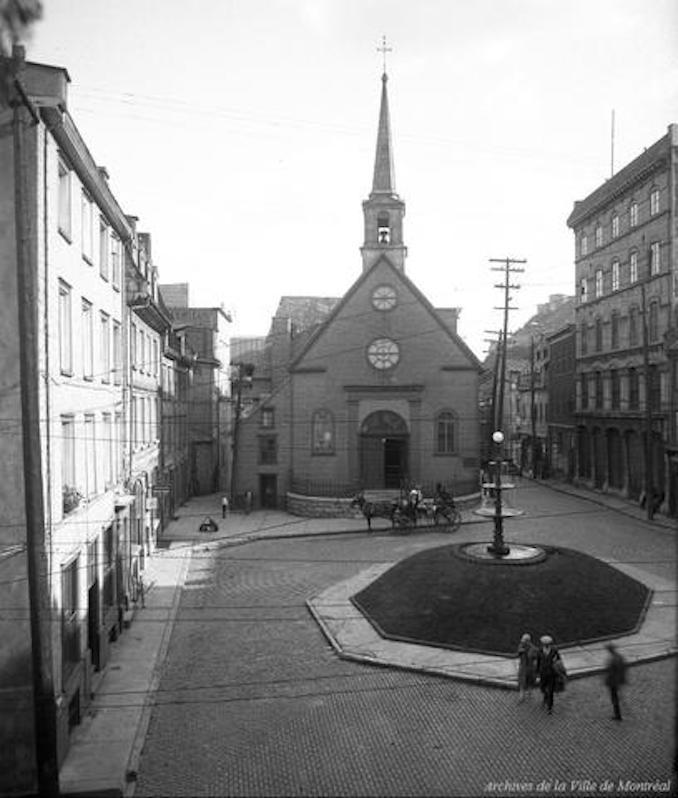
pixel 440 598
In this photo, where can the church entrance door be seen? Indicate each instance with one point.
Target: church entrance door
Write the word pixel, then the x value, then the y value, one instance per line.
pixel 383 450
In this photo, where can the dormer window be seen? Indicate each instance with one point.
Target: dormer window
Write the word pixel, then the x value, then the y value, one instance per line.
pixel 383 229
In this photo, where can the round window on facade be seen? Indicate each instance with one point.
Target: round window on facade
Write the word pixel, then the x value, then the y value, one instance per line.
pixel 384 297
pixel 383 353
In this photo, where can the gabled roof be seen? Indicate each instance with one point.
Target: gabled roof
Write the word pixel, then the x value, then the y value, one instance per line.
pixel 305 311
pixel 397 275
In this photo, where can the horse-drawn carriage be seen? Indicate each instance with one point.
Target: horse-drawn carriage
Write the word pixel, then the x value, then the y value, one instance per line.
pixel 411 509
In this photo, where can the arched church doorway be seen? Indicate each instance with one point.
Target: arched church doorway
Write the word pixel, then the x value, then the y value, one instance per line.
pixel 383 443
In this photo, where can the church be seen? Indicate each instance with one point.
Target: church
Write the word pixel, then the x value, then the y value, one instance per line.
pixel 373 390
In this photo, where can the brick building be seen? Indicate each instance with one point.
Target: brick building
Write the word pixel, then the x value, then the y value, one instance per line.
pixel 373 389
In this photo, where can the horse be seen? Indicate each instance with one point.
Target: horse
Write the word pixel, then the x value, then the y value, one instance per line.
pixel 383 509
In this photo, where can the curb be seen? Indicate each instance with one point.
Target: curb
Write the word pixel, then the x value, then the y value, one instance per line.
pixel 161 654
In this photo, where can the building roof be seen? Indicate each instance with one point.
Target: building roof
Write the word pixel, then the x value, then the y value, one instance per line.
pixel 305 312
pixel 647 162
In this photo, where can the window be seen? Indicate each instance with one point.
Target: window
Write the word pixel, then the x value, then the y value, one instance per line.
pixel 87 227
pixel 65 213
pixel 70 628
pixel 584 246
pixel 268 450
pixel 90 457
pixel 583 334
pixel 633 327
pixel 68 452
pixel 615 226
pixel 633 214
pixel 105 349
pixel 116 258
pixel 654 202
pixel 655 258
pixel 65 329
pixel 109 461
pixel 117 471
pixel 104 248
pixel 599 335
pixel 87 340
pixel 599 390
pixel 584 391
pixel 322 432
pixel 653 323
pixel 599 236
pixel 614 330
pixel 599 283
pixel 133 345
pixel 141 338
pixel 615 275
pixel 633 267
pixel 117 353
pixel 584 290
pixel 267 418
pixel 653 388
pixel 614 389
pixel 445 433
pixel 633 389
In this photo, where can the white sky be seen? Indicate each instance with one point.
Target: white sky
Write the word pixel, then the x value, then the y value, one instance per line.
pixel 242 134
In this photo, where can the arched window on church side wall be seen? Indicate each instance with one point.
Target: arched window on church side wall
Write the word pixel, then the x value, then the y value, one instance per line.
pixel 445 432
pixel 322 432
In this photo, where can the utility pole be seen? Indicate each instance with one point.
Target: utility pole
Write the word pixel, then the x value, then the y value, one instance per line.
pixel 37 565
pixel 508 268
pixel 533 409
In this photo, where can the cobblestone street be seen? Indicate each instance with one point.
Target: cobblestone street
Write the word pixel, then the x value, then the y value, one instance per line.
pixel 253 700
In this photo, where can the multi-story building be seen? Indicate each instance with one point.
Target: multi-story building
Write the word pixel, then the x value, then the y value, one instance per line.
pixel 560 390
pixel 91 333
pixel 177 371
pixel 625 245
pixel 209 405
pixel 148 327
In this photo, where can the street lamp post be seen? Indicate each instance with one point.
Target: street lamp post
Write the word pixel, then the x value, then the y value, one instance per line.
pixel 498 548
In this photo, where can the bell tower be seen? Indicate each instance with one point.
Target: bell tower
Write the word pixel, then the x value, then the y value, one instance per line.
pixel 384 210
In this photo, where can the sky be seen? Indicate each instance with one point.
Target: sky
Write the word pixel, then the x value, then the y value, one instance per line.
pixel 242 134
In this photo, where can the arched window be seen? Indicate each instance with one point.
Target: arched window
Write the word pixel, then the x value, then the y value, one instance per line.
pixel 633 389
pixel 599 334
pixel 322 432
pixel 633 327
pixel 445 432
pixel 614 329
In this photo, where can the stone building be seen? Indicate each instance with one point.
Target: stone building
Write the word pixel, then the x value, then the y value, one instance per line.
pixel 625 261
pixel 205 331
pixel 374 389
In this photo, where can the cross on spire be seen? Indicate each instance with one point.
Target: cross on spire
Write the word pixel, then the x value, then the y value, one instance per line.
pixel 383 50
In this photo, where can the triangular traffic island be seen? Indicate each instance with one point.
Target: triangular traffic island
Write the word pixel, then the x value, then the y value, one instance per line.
pixel 448 598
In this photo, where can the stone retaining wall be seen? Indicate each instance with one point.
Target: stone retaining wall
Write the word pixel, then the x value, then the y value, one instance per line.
pixel 323 507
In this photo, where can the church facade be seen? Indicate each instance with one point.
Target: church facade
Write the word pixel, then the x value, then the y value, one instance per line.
pixel 371 390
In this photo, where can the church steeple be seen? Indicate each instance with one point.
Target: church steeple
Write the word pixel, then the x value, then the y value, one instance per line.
pixel 384 176
pixel 384 210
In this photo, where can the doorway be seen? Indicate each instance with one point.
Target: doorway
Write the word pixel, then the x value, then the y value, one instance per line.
pixel 383 451
pixel 268 491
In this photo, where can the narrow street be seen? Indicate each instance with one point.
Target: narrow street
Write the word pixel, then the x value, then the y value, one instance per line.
pixel 253 700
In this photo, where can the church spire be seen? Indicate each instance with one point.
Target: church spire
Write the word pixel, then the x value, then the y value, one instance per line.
pixel 384 210
pixel 384 175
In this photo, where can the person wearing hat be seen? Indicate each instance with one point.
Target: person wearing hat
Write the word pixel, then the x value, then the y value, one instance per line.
pixel 615 677
pixel 550 667
pixel 527 665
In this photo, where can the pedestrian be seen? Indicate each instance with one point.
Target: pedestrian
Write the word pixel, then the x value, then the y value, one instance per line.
pixel 527 665
pixel 249 499
pixel 224 506
pixel 551 671
pixel 615 677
